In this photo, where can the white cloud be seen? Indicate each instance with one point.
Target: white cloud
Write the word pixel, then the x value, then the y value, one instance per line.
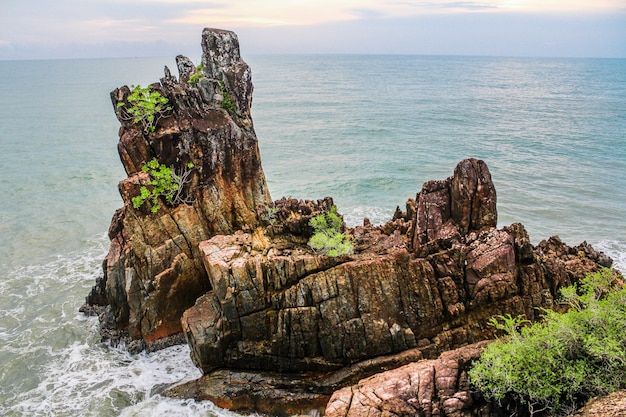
pixel 32 24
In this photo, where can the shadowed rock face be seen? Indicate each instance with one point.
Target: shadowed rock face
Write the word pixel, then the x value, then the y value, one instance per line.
pixel 462 203
pixel 154 269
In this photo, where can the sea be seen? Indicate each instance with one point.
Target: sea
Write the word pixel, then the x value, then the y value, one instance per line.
pixel 365 130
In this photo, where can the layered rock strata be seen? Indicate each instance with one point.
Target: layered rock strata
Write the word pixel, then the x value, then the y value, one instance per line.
pixel 436 387
pixel 432 279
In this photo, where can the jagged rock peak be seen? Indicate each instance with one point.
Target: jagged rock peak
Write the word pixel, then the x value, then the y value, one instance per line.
pixel 221 50
pixel 222 61
pixel 205 135
pixel 454 207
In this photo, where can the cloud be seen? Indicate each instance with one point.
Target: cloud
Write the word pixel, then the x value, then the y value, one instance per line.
pixel 366 13
pixel 458 5
pixel 466 5
pixel 31 28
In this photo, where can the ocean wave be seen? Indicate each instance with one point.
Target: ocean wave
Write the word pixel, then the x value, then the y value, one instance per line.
pixel 354 215
pixel 86 379
pixel 53 362
pixel 615 249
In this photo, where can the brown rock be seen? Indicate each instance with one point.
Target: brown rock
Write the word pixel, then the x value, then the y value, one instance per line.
pixel 246 392
pixel 297 311
pixel 437 387
pixel 154 271
pixel 612 405
pixel 460 204
pixel 473 196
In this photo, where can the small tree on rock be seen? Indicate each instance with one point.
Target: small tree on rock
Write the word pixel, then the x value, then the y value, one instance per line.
pixel 328 237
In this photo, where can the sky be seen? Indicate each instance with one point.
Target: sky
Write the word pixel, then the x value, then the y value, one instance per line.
pixel 44 29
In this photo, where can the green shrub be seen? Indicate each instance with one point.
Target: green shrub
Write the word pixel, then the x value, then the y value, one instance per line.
pixel 328 238
pixel 197 75
pixel 553 366
pixel 145 106
pixel 164 182
pixel 227 102
pixel 270 214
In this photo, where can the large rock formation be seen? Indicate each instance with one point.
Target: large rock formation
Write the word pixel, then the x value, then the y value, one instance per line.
pixel 434 287
pixel 231 269
pixel 154 269
pixel 426 282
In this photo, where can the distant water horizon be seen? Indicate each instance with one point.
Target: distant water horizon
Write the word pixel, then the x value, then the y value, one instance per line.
pixel 367 130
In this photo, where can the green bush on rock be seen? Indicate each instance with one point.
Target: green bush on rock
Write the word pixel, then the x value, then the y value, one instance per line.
pixel 197 75
pixel 164 182
pixel 553 366
pixel 328 238
pixel 145 106
pixel 227 101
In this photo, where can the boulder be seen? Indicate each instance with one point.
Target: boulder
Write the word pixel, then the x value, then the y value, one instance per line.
pixel 436 387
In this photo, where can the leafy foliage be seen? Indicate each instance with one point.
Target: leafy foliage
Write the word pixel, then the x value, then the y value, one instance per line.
pixel 196 76
pixel 553 366
pixel 328 237
pixel 227 102
pixel 270 214
pixel 146 107
pixel 164 182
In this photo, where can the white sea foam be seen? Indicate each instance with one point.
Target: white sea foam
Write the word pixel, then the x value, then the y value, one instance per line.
pixel 86 379
pixel 53 361
pixel 353 216
pixel 616 250
pixel 161 406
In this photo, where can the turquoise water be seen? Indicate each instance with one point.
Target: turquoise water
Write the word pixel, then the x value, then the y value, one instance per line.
pixel 367 130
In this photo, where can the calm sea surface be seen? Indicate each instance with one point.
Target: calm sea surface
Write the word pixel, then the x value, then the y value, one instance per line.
pixel 366 130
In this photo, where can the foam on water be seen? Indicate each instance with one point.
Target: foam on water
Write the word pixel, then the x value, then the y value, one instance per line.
pixel 91 379
pixel 616 250
pixel 53 361
pixel 161 406
pixel 354 215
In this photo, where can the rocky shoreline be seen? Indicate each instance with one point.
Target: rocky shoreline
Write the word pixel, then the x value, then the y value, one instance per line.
pixel 277 328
